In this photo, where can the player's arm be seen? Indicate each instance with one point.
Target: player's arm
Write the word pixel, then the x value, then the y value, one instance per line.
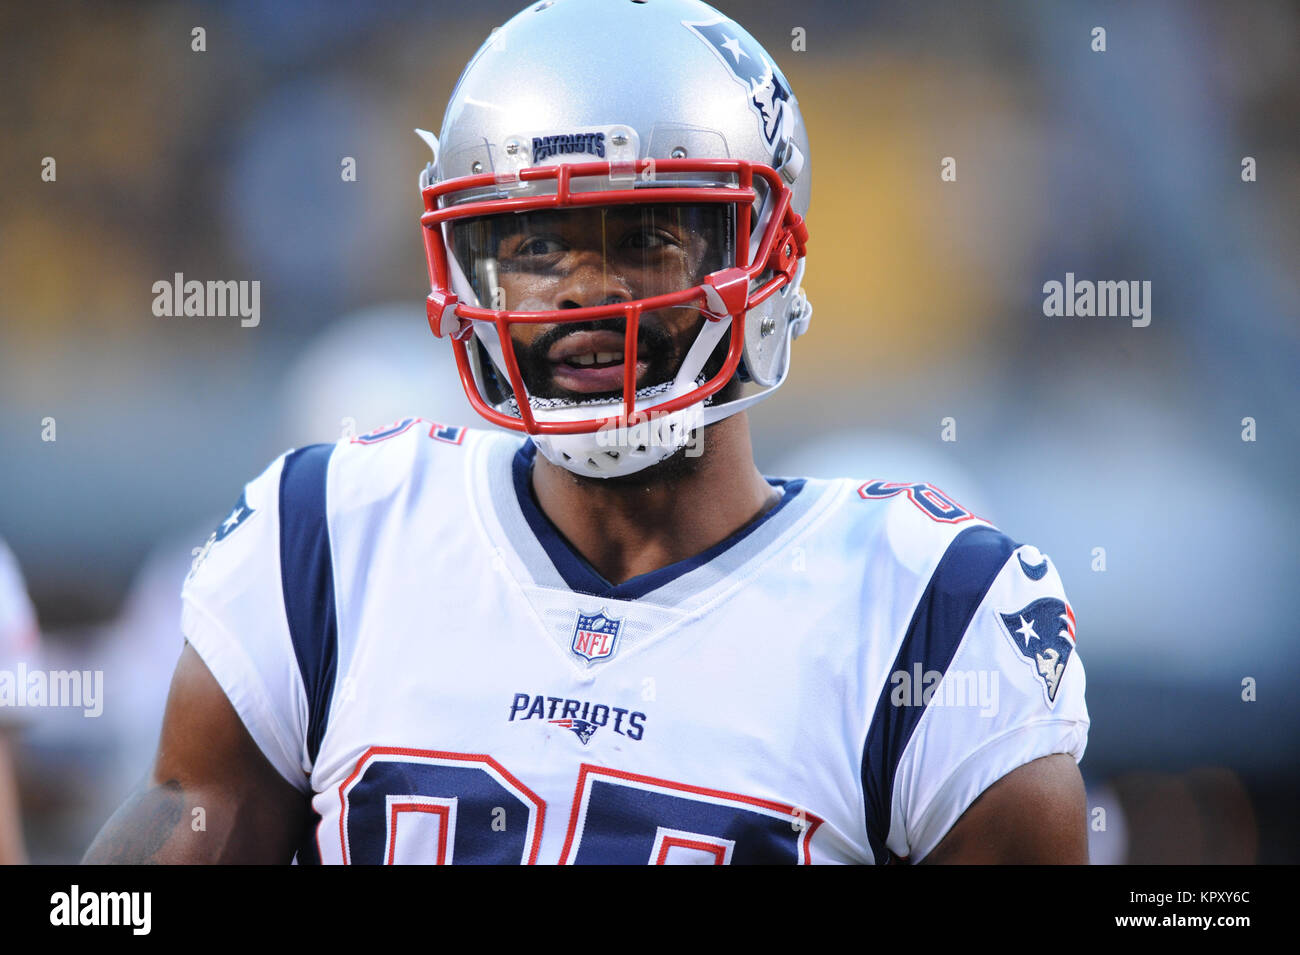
pixel 206 760
pixel 989 773
pixel 1034 815
pixel 11 832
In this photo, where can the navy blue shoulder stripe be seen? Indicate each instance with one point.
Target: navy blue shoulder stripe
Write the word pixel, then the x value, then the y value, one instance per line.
pixel 956 589
pixel 308 851
pixel 307 579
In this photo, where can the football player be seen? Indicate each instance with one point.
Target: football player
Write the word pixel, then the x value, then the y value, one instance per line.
pixel 19 646
pixel 600 634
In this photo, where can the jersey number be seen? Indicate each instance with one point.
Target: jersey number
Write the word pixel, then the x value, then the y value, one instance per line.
pixel 932 501
pixel 411 805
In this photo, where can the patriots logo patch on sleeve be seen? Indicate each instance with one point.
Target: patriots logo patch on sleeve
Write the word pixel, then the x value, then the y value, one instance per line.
pixel 238 515
pixel 1043 632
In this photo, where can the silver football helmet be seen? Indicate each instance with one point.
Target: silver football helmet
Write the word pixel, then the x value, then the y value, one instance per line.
pixel 614 224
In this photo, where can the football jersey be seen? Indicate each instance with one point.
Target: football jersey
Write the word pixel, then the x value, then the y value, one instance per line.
pixel 415 647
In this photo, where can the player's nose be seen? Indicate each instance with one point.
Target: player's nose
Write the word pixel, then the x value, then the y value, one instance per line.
pixel 589 283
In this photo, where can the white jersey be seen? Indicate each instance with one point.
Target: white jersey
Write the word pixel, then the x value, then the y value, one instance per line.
pixel 414 646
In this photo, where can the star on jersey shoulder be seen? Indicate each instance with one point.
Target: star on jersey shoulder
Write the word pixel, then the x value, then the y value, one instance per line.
pixel 1026 630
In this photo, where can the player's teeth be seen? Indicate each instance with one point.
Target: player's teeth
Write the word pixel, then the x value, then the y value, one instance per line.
pixel 594 358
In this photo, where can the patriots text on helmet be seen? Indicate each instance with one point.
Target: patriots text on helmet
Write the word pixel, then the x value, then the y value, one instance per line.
pixel 546 146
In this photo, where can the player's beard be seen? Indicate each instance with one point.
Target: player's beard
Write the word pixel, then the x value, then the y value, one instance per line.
pixel 687 460
pixel 654 346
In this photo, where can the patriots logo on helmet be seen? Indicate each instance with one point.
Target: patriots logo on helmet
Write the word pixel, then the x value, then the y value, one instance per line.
pixel 595 636
pixel 581 728
pixel 768 91
pixel 1043 632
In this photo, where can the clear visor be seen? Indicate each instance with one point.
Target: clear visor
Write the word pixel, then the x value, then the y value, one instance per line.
pixel 581 257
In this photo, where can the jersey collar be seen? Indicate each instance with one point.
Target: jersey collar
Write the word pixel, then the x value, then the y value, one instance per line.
pixel 578 574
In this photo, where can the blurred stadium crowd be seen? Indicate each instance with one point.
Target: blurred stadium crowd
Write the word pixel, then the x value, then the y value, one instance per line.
pixel 1075 434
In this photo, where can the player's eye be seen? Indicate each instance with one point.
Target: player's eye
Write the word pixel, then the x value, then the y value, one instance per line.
pixel 649 240
pixel 538 246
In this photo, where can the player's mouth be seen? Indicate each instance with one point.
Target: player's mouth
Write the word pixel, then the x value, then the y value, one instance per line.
pixel 591 362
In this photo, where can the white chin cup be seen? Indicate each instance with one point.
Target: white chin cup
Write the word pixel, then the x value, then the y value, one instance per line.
pixel 614 451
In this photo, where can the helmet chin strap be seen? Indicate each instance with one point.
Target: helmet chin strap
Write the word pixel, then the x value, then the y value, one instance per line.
pixel 617 453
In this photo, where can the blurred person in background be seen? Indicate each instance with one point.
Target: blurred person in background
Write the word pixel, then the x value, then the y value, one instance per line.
pixel 19 643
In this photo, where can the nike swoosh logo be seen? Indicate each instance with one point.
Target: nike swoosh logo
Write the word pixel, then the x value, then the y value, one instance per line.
pixel 1036 572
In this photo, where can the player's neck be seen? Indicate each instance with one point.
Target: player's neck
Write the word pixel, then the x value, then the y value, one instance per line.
pixel 626 530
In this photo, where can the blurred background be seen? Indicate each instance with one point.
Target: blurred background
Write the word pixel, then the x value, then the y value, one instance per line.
pixel 1119 451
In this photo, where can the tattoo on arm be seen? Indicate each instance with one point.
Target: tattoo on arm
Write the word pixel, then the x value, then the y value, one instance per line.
pixel 139 830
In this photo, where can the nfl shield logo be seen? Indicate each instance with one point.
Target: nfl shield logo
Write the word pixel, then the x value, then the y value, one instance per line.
pixel 596 636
